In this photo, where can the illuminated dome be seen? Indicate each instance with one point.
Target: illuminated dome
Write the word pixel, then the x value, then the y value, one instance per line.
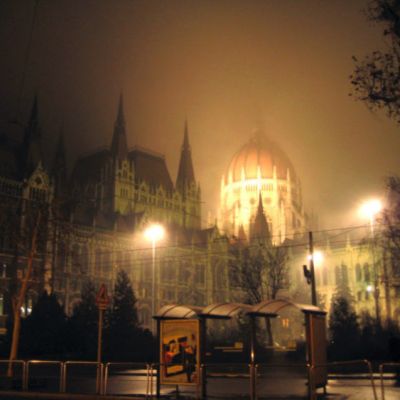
pixel 259 154
pixel 261 171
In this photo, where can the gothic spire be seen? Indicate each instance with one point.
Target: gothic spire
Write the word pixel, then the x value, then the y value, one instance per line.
pixel 31 152
pixel 119 147
pixel 242 235
pixel 185 171
pixel 260 229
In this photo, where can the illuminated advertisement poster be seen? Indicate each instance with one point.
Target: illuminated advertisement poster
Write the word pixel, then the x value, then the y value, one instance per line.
pixel 179 352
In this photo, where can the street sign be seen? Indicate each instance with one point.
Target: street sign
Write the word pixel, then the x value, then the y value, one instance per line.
pixel 102 299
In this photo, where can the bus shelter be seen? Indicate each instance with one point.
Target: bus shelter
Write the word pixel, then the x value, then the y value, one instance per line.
pixel 315 334
pixel 186 326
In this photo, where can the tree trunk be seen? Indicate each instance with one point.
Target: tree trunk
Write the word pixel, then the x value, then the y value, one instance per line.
pixel 20 299
pixel 15 339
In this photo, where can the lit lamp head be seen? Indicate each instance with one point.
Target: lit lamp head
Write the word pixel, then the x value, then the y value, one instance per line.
pixel 318 258
pixel 154 233
pixel 370 209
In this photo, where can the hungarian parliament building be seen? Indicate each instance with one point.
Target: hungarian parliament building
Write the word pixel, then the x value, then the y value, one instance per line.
pixel 93 221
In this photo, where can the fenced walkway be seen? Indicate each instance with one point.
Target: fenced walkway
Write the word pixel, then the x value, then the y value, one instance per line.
pixel 90 380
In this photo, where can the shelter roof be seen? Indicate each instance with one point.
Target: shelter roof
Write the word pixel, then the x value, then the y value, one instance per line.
pixel 272 307
pixel 225 310
pixel 174 311
pixel 267 308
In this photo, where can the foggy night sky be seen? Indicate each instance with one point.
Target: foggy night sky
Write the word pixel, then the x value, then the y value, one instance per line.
pixel 229 66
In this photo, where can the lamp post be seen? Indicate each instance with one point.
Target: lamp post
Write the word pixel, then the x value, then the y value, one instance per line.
pixel 369 210
pixel 153 233
pixel 314 257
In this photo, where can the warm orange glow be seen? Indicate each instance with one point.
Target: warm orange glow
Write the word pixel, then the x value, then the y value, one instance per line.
pixel 318 258
pixel 154 233
pixel 261 168
pixel 369 210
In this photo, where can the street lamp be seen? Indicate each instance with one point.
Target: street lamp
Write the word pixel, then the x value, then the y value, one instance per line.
pixel 369 210
pixel 318 258
pixel 154 233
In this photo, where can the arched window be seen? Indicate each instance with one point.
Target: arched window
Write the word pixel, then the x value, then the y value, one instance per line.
pixel 76 259
pixel 338 278
pixel 145 316
pixel 345 275
pixel 61 256
pixel 84 260
pixel 358 272
pixel 325 275
pixel 98 261
pixel 367 276
pixel 106 262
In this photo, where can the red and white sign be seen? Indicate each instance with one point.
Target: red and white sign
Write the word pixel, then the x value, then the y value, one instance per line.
pixel 102 299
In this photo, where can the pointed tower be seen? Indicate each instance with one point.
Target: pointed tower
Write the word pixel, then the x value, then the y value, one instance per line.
pixel 31 151
pixel 185 172
pixel 59 168
pixel 242 236
pixel 118 187
pixel 186 186
pixel 119 147
pixel 260 230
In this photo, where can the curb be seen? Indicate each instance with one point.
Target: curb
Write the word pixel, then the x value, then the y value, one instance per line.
pixel 62 396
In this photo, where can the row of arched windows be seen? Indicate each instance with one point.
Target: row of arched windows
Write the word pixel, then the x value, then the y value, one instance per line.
pixel 362 274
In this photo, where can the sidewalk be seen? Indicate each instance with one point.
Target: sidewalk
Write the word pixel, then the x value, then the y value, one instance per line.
pixel 5 395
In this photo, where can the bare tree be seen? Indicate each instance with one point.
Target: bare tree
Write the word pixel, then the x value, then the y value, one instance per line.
pixel 390 239
pixel 376 78
pixel 261 271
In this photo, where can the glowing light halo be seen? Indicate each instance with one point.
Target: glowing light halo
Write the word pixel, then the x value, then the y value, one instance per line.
pixel 318 258
pixel 370 208
pixel 154 233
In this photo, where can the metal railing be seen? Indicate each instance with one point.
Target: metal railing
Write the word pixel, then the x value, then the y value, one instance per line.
pixel 10 370
pixel 101 376
pixel 42 362
pixel 99 373
pixel 138 367
pixel 381 368
pixel 148 375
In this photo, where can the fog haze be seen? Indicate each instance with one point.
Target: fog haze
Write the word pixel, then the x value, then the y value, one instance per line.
pixel 229 67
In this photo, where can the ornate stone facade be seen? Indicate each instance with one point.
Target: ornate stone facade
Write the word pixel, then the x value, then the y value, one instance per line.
pixel 96 218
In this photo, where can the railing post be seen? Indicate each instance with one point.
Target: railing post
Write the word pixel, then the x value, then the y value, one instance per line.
pixel 64 379
pixel 105 379
pixel 371 375
pixel 25 375
pixel 382 385
pixel 252 370
pixel 60 388
pixel 149 381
